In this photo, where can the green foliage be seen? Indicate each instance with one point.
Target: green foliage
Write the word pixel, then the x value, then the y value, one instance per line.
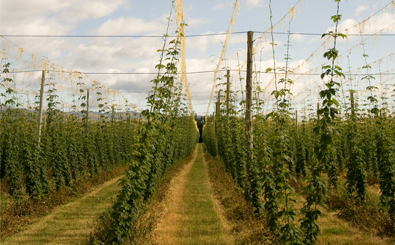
pixel 65 152
pixel 326 131
pixel 59 160
pixel 356 175
pixel 170 133
pixel 386 163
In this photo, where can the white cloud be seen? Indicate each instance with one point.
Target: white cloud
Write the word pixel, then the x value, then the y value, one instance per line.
pixel 197 22
pixel 254 3
pixel 224 5
pixel 21 9
pixel 92 56
pixel 107 54
pixel 373 25
pixel 20 12
pixel 137 49
pixel 90 9
pixel 298 38
pixel 50 17
pixel 40 26
pixel 201 43
pixel 31 17
pixel 347 24
pixel 235 39
pixel 360 10
pixel 128 26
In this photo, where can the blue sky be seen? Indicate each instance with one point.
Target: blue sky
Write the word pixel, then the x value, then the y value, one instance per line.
pixel 130 17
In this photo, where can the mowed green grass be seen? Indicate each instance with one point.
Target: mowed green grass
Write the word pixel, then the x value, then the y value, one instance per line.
pixel 201 224
pixel 71 223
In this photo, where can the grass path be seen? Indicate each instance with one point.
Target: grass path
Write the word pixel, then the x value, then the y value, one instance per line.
pixel 192 215
pixel 70 223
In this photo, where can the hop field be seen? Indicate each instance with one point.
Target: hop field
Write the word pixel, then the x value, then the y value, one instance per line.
pixel 291 152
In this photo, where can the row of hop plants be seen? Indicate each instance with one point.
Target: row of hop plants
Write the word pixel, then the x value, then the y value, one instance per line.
pixel 170 134
pixel 362 152
pixel 71 147
pixel 286 152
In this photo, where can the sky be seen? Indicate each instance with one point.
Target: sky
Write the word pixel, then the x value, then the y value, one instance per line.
pixel 149 18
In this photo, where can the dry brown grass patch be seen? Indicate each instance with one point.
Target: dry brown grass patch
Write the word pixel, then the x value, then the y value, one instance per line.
pixel 70 223
pixel 166 230
pixel 154 212
pixel 15 217
pixel 247 227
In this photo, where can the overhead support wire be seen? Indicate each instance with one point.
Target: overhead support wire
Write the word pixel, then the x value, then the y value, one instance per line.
pixel 187 36
pixel 195 72
pixel 323 44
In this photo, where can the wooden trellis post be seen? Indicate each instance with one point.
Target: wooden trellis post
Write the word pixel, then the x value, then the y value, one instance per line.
pixel 87 105
pixel 40 109
pixel 352 103
pixel 248 115
pixel 227 93
pixel 296 120
pixel 218 105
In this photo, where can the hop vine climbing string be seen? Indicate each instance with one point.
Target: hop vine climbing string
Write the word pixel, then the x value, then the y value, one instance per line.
pixel 223 52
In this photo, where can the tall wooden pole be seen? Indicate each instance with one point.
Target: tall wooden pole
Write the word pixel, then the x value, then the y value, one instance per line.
pixel 248 115
pixel 87 105
pixel 227 93
pixel 218 105
pixel 352 103
pixel 217 111
pixel 296 119
pixel 113 112
pixel 40 109
pixel 318 107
